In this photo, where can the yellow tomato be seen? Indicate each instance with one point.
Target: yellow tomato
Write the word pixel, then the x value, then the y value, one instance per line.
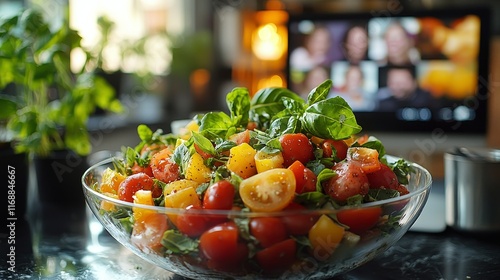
pixel 196 169
pixel 325 236
pixel 242 160
pixel 111 180
pixel 145 198
pixel 265 161
pixel 268 191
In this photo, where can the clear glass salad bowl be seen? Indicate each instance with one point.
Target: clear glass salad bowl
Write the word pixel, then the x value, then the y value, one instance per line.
pixel 354 249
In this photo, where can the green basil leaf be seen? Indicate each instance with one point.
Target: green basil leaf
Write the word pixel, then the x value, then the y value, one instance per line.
pixel 284 125
pixel 215 125
pixel 267 102
pixel 319 93
pixel 181 156
pixel 144 132
pixel 312 199
pixel 330 118
pixel 8 107
pixel 238 102
pixel 324 175
pixel 203 143
pixel 402 169
pixel 177 243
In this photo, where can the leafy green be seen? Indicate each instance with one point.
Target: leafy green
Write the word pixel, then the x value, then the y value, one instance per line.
pixel 177 243
pixel 402 169
pixel 330 118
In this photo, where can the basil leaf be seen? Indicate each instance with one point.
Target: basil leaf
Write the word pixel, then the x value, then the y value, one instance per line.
pixel 215 125
pixel 181 156
pixel 267 102
pixel 312 199
pixel 287 124
pixel 203 143
pixel 144 132
pixel 177 243
pixel 402 169
pixel 238 102
pixel 324 175
pixel 330 118
pixel 319 93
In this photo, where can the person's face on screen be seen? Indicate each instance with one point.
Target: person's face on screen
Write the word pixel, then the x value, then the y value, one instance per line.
pixel 356 44
pixel 401 83
pixel 353 78
pixel 398 44
pixel 318 42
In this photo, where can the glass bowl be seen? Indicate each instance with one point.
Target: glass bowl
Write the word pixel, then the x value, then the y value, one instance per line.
pixel 336 257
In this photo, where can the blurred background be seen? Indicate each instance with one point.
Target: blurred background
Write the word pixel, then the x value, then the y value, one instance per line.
pixel 171 59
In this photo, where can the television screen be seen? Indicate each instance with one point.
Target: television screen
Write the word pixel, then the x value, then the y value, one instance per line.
pixel 412 71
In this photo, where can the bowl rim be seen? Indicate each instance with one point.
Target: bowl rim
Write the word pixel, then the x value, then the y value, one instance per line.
pixel 167 210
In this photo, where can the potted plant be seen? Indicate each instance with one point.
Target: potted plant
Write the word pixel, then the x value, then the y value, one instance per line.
pixel 48 109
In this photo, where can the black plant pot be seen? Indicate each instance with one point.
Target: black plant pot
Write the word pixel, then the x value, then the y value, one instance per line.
pixel 59 178
pixel 15 171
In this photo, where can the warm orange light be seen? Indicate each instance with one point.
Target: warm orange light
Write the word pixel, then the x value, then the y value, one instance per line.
pixel 269 39
pixel 273 81
pixel 199 79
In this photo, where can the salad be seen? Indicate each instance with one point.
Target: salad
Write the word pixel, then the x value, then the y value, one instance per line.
pixel 269 154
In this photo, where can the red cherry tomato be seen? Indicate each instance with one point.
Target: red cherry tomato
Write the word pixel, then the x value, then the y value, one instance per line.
pixel 138 169
pixel 164 169
pixel 360 220
pixel 268 230
pixel 366 157
pixel 298 224
pixel 383 178
pixel 304 177
pixel 220 196
pixel 192 225
pixel 277 257
pixel 147 233
pixel 219 244
pixel 241 137
pixel 296 146
pixel 349 180
pixel 133 183
pixel 336 148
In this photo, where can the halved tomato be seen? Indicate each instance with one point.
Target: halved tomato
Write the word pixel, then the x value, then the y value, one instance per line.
pixel 269 191
pixel 368 158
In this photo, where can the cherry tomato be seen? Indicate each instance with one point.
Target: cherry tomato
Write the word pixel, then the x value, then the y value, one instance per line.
pixel 133 183
pixel 336 148
pixel 268 230
pixel 383 178
pixel 277 257
pixel 192 225
pixel 241 137
pixel 269 191
pixel 164 169
pixel 298 224
pixel 220 195
pixel 360 220
pixel 305 179
pixel 138 169
pixel 219 244
pixel 349 180
pixel 402 189
pixel 147 233
pixel 368 158
pixel 296 146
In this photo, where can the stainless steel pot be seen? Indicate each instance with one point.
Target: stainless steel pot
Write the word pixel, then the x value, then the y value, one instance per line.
pixel 472 189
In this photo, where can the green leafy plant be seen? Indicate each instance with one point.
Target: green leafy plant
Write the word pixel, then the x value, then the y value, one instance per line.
pixel 50 106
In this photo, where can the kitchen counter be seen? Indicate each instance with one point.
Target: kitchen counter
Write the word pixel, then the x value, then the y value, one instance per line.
pixel 63 243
